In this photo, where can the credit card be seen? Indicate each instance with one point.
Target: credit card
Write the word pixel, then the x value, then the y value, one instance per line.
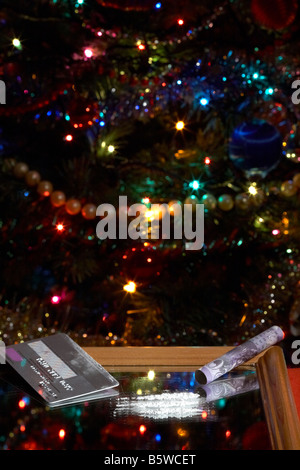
pixel 60 371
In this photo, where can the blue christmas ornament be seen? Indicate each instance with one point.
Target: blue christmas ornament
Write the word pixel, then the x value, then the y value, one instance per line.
pixel 255 147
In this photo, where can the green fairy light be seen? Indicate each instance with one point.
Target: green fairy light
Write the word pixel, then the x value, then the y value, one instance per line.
pixel 195 185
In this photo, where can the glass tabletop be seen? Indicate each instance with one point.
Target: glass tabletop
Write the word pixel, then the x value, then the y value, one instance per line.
pixel 154 410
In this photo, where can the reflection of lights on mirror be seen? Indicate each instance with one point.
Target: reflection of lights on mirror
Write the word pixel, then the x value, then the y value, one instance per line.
pixel 182 432
pixel 165 405
pixel 151 374
pixel 142 429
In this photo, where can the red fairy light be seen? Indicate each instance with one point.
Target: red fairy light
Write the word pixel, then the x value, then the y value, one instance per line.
pixel 55 299
pixel 60 227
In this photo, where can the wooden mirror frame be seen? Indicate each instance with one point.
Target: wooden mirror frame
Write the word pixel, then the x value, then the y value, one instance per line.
pixel 278 402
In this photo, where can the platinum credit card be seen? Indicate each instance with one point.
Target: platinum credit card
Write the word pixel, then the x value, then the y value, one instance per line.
pixel 60 371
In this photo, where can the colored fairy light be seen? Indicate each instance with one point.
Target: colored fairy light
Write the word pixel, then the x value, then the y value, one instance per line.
pixel 22 404
pixel 158 437
pixel 16 43
pixel 130 287
pixel 255 76
pixel 207 161
pixel 111 148
pixel 142 428
pixel 204 101
pixel 228 433
pixel 146 200
pixel 180 21
pixel 275 232
pixel 252 190
pixel 62 433
pixel 269 91
pixel 88 53
pixel 55 299
pixel 181 432
pixel 60 227
pixel 149 215
pixel 141 47
pixel 158 5
pixel 179 125
pixel 151 374
pixel 69 138
pixel 195 184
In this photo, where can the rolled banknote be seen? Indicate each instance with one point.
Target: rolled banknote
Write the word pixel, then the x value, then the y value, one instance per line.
pixel 237 356
pixel 229 387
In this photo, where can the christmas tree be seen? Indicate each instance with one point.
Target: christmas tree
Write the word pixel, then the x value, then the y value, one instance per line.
pixel 167 103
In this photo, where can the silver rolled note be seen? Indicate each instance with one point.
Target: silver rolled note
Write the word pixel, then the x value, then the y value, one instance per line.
pixel 237 356
pixel 229 387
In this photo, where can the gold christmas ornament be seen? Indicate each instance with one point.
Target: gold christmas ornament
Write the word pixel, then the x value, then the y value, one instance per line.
pixel 58 198
pixel 192 200
pixel 9 164
pixel 209 201
pixel 258 198
pixel 73 206
pixel 32 178
pixel 288 189
pixel 243 201
pixel 89 211
pixel 226 202
pixel 45 188
pixel 296 180
pixel 20 169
